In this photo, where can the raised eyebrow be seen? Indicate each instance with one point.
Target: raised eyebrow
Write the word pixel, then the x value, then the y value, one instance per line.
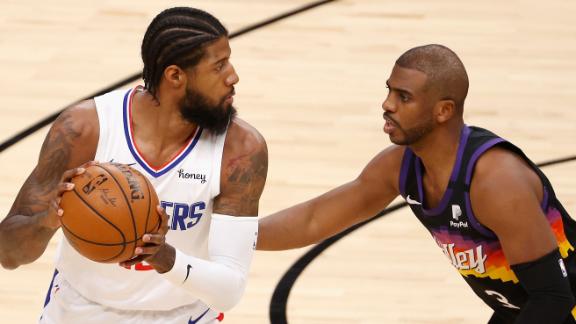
pixel 224 59
pixel 404 91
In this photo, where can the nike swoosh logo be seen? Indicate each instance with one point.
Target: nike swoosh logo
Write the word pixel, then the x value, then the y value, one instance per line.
pixel 191 321
pixel 131 164
pixel 412 201
pixel 188 268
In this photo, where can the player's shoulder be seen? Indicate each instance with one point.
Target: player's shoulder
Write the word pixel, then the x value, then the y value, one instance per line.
pixel 244 170
pixel 243 139
pixel 74 136
pixel 499 161
pixel 503 168
pixel 80 118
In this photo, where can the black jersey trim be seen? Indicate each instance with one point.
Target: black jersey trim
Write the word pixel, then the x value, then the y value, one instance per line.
pixel 545 203
pixel 476 155
pixel 468 180
pixel 467 201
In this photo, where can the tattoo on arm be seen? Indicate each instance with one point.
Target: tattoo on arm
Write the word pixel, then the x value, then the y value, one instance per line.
pixel 53 161
pixel 26 231
pixel 243 185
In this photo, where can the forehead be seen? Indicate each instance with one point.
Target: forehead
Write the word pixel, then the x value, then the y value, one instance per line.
pixel 407 79
pixel 217 50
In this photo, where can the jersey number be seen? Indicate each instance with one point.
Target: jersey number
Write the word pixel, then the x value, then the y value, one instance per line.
pixel 140 266
pixel 501 299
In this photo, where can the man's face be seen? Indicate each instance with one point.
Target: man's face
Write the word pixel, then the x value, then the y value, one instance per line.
pixel 209 96
pixel 408 107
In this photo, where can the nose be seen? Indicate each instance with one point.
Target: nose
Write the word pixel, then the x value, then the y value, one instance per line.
pixel 232 78
pixel 388 105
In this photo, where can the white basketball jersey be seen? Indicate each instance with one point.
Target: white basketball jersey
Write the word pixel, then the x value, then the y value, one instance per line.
pixel 186 187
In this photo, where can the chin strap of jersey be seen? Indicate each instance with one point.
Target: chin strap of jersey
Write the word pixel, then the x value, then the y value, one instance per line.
pixel 546 282
pixel 220 280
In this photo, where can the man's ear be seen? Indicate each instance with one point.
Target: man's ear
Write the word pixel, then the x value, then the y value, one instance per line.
pixel 174 76
pixel 444 110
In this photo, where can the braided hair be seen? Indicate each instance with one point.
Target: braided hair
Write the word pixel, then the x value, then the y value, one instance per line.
pixel 176 36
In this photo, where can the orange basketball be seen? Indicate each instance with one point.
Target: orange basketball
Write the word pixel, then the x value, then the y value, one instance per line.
pixel 109 210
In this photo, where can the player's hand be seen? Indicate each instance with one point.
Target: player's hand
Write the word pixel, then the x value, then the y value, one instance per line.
pixel 155 250
pixel 52 219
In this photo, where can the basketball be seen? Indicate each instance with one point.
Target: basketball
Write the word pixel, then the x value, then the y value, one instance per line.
pixel 109 210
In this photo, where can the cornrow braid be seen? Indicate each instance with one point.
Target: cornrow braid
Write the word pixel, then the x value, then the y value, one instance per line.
pixel 176 36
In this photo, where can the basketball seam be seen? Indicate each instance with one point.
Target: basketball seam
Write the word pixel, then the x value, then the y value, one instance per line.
pixel 127 203
pixel 103 218
pixel 97 243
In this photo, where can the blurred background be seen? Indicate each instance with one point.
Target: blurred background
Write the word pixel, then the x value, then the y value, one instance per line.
pixel 313 85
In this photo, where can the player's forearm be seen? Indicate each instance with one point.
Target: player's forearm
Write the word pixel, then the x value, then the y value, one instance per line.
pixel 550 295
pixel 23 239
pixel 550 310
pixel 219 281
pixel 287 229
pixel 321 217
pixel 217 284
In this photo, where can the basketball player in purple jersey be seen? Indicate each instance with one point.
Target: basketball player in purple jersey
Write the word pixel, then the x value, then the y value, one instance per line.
pixel 493 213
pixel 208 167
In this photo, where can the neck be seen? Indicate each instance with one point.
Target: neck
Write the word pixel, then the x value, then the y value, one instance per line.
pixel 438 152
pixel 159 120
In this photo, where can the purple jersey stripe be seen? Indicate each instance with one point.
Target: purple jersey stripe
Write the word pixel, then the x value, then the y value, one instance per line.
pixel 406 161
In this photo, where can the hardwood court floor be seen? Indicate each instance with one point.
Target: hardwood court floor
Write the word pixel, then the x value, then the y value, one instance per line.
pixel 313 86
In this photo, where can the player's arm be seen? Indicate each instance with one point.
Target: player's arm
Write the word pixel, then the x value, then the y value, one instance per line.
pixel 506 195
pixel 326 215
pixel 220 281
pixel 244 170
pixel 33 219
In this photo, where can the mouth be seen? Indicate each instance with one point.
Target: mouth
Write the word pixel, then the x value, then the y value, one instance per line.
pixel 229 99
pixel 390 124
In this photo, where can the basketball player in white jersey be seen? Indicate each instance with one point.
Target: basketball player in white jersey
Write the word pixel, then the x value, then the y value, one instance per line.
pixel 208 168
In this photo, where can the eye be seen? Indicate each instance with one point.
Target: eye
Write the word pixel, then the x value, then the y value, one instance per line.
pixel 404 97
pixel 219 66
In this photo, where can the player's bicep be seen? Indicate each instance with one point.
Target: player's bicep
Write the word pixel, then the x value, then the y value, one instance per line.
pixel 69 143
pixel 507 200
pixel 243 181
pixel 521 227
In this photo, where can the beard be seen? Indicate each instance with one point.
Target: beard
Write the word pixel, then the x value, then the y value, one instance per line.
pixel 196 109
pixel 413 134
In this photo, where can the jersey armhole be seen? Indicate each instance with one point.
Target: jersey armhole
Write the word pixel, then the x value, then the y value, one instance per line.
pixel 219 142
pixel 468 182
pixel 102 124
pixel 110 116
